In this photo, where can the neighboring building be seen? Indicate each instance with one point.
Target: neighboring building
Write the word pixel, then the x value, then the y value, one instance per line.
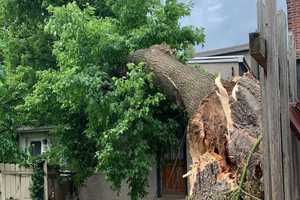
pixel 37 139
pixel 227 66
pixel 229 62
pixel 294 27
pixel 233 50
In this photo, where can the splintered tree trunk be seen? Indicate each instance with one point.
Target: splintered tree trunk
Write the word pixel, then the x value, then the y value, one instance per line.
pixel 220 136
pixel 224 124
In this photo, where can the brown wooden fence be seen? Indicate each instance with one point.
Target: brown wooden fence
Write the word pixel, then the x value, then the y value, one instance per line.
pixel 274 50
pixel 15 184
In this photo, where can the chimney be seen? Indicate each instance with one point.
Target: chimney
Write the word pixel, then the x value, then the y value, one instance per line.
pixel 294 21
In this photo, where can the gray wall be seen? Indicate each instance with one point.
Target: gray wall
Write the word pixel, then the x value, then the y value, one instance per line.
pixel 96 188
pixel 225 69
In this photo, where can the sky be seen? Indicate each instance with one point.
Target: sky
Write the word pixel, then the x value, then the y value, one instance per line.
pixel 226 22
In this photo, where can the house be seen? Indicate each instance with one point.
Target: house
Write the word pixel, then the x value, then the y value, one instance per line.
pixel 35 139
pixel 229 62
pixel 294 27
pixel 227 66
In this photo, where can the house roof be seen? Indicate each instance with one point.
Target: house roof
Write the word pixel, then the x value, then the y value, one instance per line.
pixel 217 59
pixel 224 51
pixel 27 129
pixel 220 59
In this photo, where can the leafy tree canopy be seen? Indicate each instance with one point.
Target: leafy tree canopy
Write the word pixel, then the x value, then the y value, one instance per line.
pixel 64 63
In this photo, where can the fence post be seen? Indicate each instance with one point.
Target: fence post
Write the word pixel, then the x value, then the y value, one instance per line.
pixel 266 141
pixel 293 97
pixel 272 125
pixel 284 105
pixel 45 180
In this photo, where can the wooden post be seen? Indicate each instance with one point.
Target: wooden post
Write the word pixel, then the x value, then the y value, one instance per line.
pixel 279 87
pixel 273 151
pixel 266 141
pixel 284 105
pixel 45 180
pixel 293 97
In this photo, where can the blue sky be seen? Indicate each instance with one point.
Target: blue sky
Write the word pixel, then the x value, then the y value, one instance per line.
pixel 226 22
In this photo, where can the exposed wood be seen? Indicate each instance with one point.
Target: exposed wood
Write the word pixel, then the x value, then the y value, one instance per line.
pixel 219 148
pixel 182 83
pixel 258 49
pixel 284 104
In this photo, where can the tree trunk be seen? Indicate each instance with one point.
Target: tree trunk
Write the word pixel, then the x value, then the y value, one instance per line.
pixel 182 83
pixel 224 123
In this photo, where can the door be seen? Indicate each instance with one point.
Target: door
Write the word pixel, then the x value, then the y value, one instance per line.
pixel 173 167
pixel 172 181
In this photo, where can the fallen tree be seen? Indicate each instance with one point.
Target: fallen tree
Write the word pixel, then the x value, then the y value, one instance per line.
pixel 224 124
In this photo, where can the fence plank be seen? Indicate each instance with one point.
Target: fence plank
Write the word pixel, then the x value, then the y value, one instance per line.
pixel 13 182
pixel 293 97
pixel 272 95
pixel 45 168
pixel 18 183
pixel 7 181
pixel 2 194
pixel 284 104
pixel 266 142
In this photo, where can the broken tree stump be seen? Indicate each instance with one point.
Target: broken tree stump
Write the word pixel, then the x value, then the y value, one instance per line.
pixel 224 123
pixel 220 135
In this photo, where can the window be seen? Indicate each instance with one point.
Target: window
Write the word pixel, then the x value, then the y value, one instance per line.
pixel 36 148
pixel 232 72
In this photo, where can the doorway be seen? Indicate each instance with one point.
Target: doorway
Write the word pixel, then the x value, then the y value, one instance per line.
pixel 171 167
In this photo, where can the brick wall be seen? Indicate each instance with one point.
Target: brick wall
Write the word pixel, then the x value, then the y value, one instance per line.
pixel 294 21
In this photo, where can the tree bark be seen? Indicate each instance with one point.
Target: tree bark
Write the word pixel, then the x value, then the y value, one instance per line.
pixel 182 83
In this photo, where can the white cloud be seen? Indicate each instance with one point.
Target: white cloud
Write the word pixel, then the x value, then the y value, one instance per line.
pixel 215 8
pixel 216 19
pixel 226 22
